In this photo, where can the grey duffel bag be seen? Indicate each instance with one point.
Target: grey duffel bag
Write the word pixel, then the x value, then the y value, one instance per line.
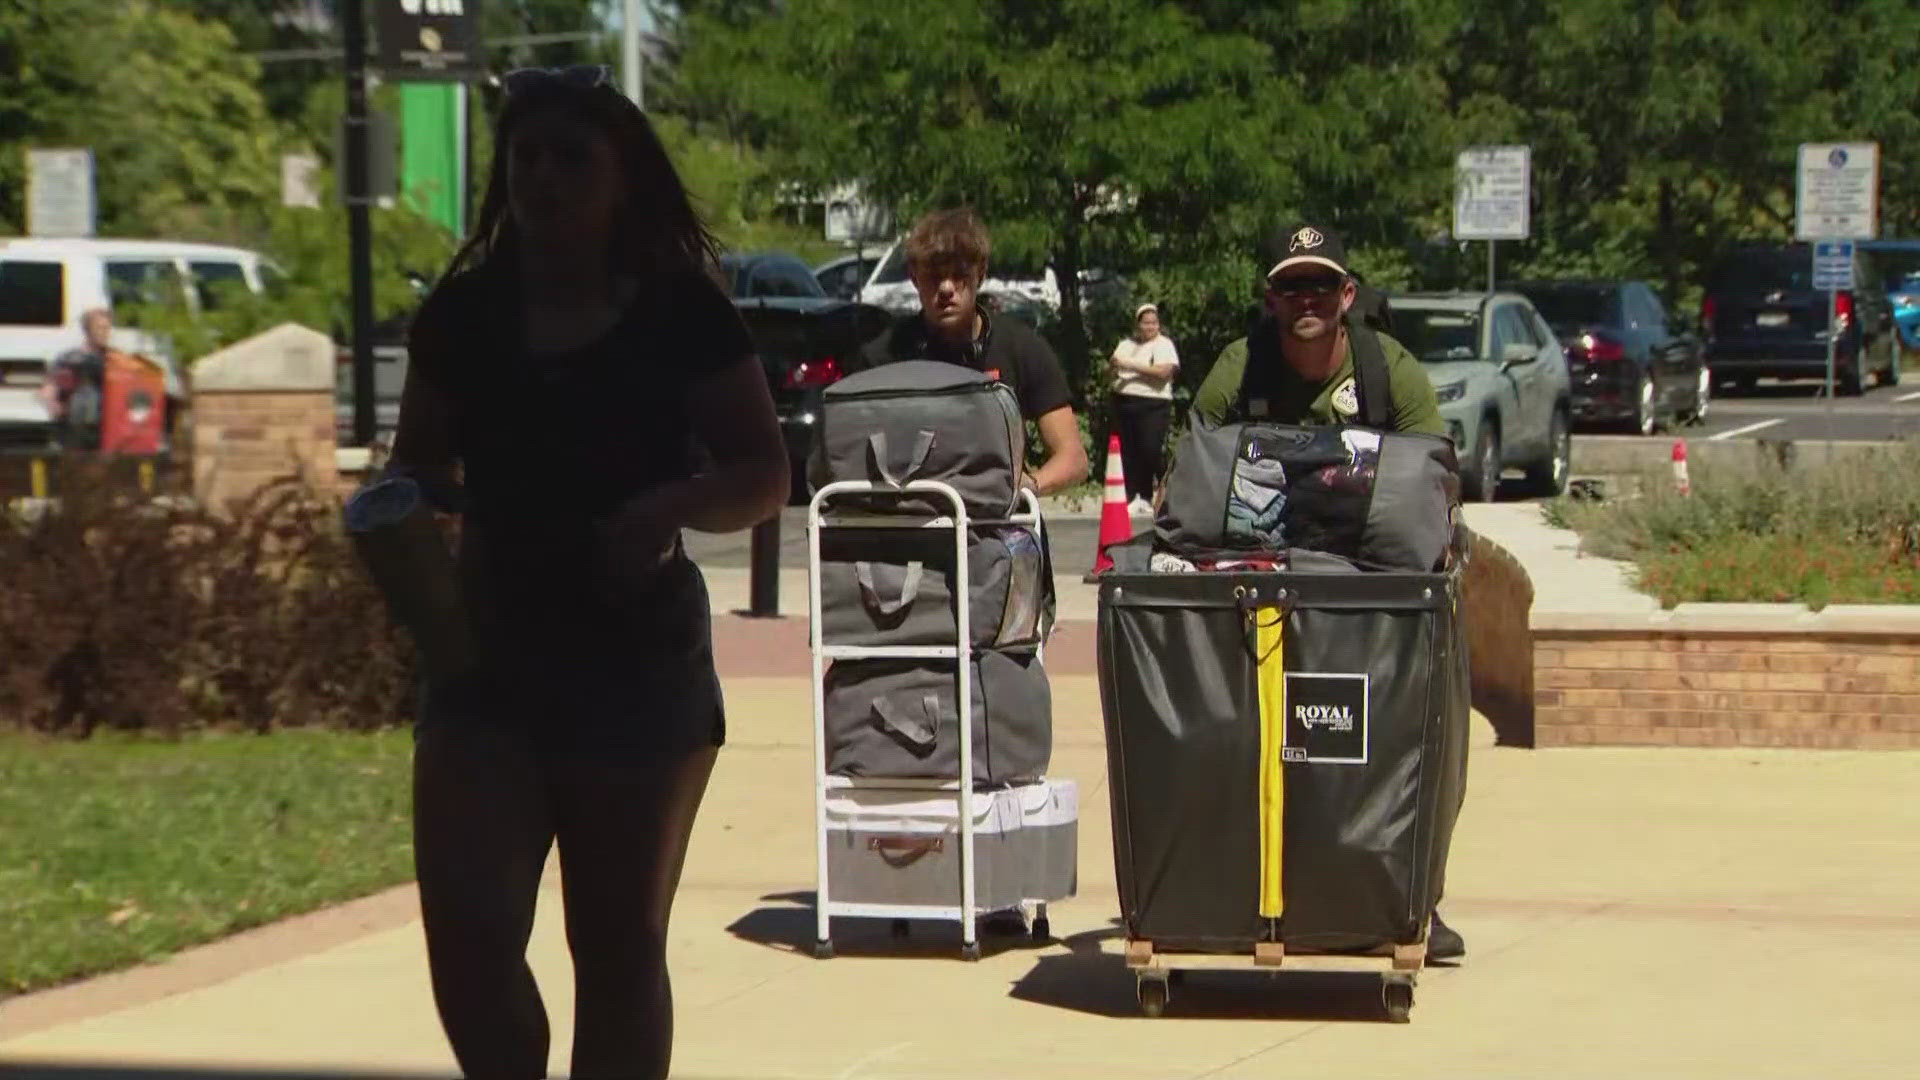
pixel 899 719
pixel 882 587
pixel 922 420
pixel 1385 500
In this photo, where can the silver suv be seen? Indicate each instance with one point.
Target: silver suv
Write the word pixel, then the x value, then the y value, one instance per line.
pixel 1501 376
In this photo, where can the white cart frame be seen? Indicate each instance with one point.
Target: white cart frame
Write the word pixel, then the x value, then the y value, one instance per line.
pixel 966 911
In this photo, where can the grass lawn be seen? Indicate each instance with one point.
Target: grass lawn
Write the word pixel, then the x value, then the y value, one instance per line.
pixel 120 850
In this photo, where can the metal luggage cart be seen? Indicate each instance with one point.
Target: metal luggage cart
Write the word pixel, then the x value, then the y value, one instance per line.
pixel 964 908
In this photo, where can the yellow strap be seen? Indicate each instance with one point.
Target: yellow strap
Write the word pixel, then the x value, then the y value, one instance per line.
pixel 1269 632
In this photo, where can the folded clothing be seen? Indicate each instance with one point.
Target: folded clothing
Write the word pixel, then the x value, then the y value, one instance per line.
pixel 1165 562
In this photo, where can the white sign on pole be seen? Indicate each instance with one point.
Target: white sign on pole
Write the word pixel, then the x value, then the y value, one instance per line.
pixel 60 198
pixel 1492 193
pixel 297 180
pixel 1833 265
pixel 1838 194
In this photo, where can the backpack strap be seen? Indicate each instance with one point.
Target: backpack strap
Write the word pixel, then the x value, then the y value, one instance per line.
pixel 1371 378
pixel 1263 348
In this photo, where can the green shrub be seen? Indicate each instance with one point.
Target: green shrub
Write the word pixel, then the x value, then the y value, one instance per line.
pixel 1780 569
pixel 128 612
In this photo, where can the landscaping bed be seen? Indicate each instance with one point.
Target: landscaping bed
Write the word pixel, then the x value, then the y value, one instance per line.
pixel 1840 532
pixel 203 723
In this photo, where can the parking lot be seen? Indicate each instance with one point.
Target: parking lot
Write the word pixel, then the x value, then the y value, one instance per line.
pixel 1799 411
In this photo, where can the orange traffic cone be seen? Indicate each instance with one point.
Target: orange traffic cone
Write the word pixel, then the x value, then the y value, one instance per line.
pixel 1680 481
pixel 1116 526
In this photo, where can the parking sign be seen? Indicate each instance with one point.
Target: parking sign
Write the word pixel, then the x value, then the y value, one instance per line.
pixel 1838 194
pixel 1833 265
pixel 1492 190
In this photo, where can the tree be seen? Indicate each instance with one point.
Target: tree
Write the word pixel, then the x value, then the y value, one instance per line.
pixel 182 142
pixel 1056 121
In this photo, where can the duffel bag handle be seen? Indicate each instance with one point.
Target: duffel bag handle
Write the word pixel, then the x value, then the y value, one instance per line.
pixel 877 444
pixel 899 851
pixel 921 735
pixel 909 588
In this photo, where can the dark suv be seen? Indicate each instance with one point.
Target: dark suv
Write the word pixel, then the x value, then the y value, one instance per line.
pixel 1762 317
pixel 1630 364
pixel 805 339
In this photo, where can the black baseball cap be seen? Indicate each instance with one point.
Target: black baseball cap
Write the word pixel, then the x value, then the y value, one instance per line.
pixel 1306 244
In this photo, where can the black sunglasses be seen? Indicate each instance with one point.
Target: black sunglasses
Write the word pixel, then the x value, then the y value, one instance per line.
pixel 1316 285
pixel 576 76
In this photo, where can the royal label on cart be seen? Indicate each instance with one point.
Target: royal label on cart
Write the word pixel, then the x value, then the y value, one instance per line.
pixel 1326 719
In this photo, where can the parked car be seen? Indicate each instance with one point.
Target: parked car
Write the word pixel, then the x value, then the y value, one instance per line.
pixel 1899 265
pixel 1629 363
pixel 804 338
pixel 1761 316
pixel 47 283
pixel 1906 310
pixel 1501 376
pixel 842 278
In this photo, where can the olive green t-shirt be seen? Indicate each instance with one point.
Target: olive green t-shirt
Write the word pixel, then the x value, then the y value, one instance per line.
pixel 1279 394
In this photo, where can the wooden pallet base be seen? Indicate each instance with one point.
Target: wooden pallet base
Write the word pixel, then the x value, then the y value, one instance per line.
pixel 1398 968
pixel 1146 960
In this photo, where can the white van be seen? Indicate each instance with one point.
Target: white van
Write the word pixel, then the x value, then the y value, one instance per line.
pixel 47 283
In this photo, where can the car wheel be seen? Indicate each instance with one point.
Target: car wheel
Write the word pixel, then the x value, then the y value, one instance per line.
pixel 1851 381
pixel 1702 396
pixel 1548 477
pixel 1480 481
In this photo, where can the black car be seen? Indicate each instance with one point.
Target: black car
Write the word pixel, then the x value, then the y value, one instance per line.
pixel 805 339
pixel 1630 364
pixel 1762 317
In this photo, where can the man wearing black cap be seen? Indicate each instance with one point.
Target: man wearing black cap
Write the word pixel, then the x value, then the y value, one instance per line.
pixel 1298 365
pixel 1311 360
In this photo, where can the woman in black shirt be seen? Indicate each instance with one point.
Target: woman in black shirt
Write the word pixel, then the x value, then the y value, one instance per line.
pixel 596 393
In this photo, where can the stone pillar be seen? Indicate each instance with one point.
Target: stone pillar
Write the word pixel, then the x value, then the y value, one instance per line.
pixel 263 410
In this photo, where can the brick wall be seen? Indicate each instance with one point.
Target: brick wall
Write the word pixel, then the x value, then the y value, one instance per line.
pixel 263 409
pixel 1702 675
pixel 243 440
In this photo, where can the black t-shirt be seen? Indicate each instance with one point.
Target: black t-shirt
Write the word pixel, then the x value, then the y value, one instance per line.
pixel 1007 349
pixel 550 447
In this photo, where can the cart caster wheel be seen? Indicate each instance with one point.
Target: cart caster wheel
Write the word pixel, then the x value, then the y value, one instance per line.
pixel 1153 997
pixel 823 950
pixel 1398 999
pixel 1042 929
pixel 970 951
pixel 902 928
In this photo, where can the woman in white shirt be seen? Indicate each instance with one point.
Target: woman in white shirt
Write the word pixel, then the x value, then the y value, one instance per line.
pixel 1144 365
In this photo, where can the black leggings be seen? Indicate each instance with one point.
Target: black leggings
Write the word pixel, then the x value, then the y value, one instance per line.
pixel 486 811
pixel 1142 424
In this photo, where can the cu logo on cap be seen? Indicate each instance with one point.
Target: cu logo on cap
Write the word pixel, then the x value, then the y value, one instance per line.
pixel 1305 238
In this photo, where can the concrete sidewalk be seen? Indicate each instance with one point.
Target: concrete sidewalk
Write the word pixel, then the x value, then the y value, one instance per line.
pixel 1628 913
pixel 1564 579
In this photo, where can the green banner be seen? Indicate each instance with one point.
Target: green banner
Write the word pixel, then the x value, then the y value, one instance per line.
pixel 433 151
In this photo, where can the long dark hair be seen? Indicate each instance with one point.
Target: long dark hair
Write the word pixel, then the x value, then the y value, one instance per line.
pixel 659 227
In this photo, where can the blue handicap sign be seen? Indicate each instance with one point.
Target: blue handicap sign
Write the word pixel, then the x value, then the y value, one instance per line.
pixel 1833 265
